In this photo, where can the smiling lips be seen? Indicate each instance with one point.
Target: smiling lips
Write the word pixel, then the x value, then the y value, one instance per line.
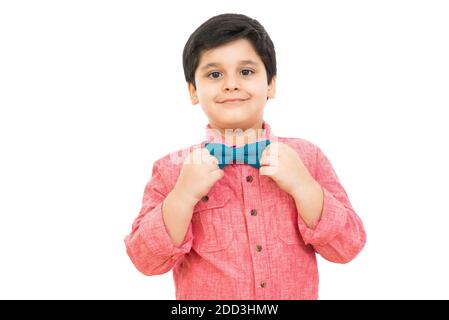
pixel 232 100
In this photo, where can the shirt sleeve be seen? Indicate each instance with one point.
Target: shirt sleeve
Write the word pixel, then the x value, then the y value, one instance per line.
pixel 149 245
pixel 338 235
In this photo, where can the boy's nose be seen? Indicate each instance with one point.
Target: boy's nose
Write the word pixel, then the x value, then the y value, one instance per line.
pixel 231 84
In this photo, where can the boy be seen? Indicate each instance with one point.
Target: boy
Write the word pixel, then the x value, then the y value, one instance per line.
pixel 241 215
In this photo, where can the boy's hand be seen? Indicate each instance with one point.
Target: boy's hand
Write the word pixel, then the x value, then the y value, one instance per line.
pixel 282 163
pixel 199 173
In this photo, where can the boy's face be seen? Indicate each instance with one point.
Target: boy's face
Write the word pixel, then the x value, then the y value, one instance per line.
pixel 231 86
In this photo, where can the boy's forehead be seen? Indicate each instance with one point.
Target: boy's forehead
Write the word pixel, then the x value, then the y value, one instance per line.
pixel 236 52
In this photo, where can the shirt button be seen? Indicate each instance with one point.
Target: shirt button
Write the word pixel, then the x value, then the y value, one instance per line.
pixel 263 284
pixel 258 248
pixel 249 179
pixel 254 212
pixel 205 198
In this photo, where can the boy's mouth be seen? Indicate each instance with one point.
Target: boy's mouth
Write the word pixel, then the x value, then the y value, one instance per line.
pixel 232 100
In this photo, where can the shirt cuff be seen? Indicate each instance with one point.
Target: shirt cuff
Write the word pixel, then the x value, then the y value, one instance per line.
pixel 157 238
pixel 328 226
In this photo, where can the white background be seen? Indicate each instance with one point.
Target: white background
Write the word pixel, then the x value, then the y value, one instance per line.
pixel 92 92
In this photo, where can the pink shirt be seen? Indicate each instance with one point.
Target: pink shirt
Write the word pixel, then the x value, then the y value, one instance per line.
pixel 246 239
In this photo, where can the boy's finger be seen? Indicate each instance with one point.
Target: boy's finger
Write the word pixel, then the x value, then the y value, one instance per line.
pixel 267 170
pixel 205 151
pixel 272 149
pixel 268 160
pixel 217 174
pixel 211 162
pixel 211 159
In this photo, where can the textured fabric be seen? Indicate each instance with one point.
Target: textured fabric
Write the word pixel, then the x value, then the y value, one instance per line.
pixel 250 153
pixel 246 239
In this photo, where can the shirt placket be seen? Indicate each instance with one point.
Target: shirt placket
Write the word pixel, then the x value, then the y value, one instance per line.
pixel 256 231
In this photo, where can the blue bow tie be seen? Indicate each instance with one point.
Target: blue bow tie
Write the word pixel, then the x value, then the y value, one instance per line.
pixel 248 154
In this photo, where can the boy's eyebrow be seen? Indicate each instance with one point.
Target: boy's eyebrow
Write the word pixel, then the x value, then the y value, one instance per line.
pixel 216 64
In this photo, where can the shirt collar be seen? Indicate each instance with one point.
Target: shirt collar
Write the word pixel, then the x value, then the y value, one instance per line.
pixel 214 136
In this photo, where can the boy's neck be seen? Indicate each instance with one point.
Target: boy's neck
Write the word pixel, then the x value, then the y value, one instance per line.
pixel 240 136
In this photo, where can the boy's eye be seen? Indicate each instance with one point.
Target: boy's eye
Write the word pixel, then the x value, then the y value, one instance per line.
pixel 247 72
pixel 214 75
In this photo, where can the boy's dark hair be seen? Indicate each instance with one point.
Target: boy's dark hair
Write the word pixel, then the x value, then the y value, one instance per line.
pixel 222 29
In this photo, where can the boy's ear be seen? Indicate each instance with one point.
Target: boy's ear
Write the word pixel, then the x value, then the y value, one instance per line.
pixel 272 88
pixel 192 92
